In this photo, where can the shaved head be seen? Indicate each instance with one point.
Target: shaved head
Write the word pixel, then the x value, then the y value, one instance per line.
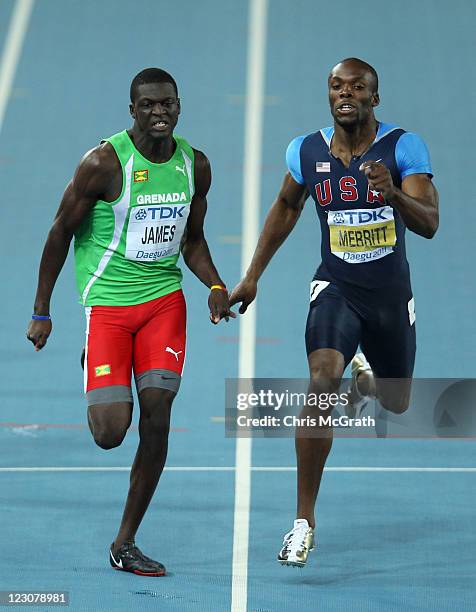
pixel 358 64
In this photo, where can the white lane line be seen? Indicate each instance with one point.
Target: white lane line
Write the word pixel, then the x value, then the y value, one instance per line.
pixel 251 193
pixel 115 469
pixel 371 469
pixel 12 51
pixel 194 468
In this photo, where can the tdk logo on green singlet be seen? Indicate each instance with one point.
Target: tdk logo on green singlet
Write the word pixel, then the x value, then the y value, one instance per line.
pixel 160 212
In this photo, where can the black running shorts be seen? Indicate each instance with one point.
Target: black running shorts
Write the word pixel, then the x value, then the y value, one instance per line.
pixel 381 320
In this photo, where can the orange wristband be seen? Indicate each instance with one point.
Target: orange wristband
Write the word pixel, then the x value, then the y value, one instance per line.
pixel 218 287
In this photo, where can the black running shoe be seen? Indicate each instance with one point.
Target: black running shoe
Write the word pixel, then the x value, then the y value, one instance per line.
pixel 129 558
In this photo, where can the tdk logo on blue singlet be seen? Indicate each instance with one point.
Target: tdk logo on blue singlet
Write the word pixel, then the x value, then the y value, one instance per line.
pixel 360 217
pixel 159 212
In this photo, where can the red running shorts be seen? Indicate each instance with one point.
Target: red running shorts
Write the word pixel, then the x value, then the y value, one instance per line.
pixel 148 339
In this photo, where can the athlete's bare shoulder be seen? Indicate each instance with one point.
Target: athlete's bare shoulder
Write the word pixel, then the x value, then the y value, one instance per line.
pixel 203 172
pixel 100 170
pixel 100 159
pixel 201 160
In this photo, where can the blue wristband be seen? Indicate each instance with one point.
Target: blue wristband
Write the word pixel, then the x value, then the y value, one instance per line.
pixel 41 317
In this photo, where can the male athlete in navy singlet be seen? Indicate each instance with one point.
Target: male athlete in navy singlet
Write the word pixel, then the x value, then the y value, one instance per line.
pixel 370 181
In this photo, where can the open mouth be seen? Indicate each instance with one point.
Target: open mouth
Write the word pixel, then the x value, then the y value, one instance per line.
pixel 345 109
pixel 159 125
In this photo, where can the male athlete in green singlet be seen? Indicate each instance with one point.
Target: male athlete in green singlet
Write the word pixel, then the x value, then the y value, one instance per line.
pixel 134 203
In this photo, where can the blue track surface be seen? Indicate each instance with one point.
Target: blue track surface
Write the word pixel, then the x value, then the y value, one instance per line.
pixel 386 541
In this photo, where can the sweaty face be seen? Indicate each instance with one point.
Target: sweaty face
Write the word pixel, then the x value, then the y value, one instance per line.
pixel 351 94
pixel 156 109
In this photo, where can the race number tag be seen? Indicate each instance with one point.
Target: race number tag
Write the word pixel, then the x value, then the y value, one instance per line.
pixel 362 235
pixel 155 232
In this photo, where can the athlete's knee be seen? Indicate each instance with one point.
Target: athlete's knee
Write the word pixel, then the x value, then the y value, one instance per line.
pixel 156 407
pixel 326 367
pixel 154 427
pixel 396 400
pixel 396 405
pixel 157 390
pixel 153 400
pixel 108 439
pixel 109 423
pixel 108 436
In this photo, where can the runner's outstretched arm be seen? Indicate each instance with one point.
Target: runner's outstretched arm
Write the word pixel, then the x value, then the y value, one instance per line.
pixel 279 223
pixel 195 251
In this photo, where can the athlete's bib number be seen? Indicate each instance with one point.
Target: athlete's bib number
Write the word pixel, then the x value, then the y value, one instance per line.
pixel 361 235
pixel 155 232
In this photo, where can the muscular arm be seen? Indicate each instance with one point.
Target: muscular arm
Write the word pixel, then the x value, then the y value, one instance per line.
pixel 91 180
pixel 279 223
pixel 195 249
pixel 416 201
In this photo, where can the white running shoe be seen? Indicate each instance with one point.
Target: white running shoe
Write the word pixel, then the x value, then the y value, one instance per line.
pixel 357 401
pixel 297 544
